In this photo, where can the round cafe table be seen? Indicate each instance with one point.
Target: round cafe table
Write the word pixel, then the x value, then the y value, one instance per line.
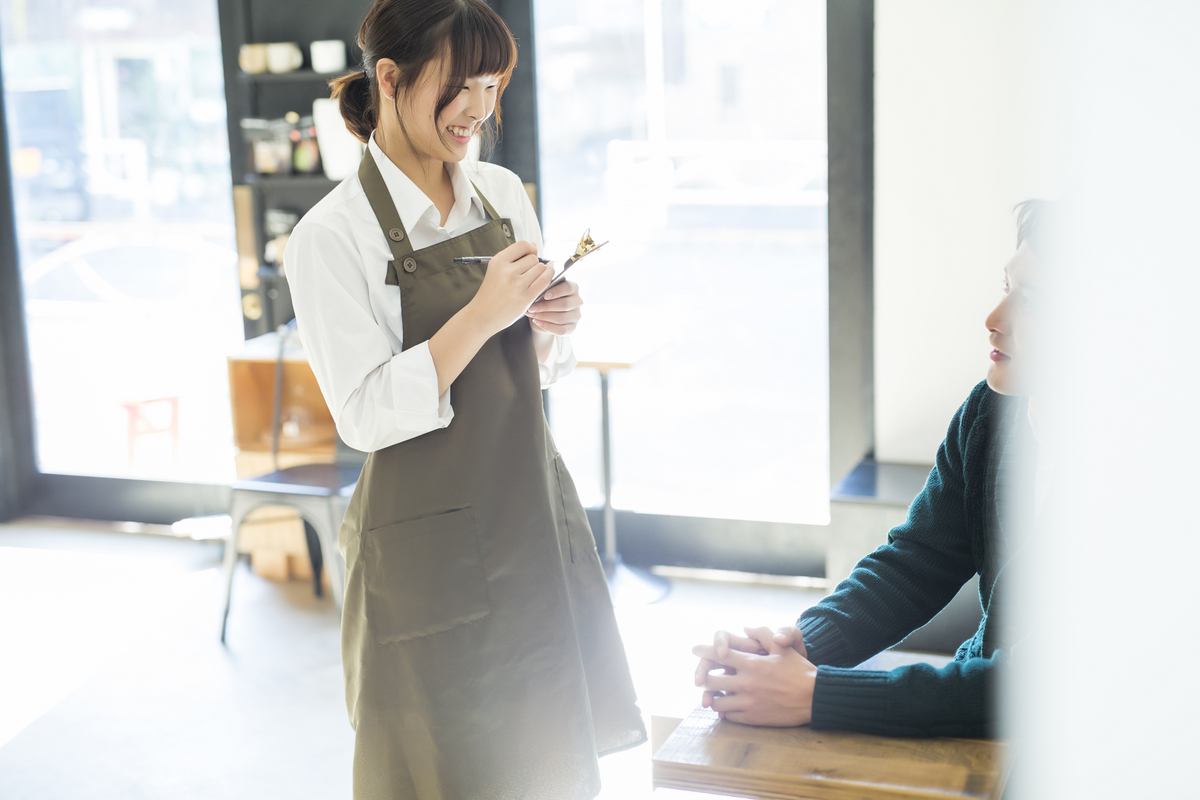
pixel 611 339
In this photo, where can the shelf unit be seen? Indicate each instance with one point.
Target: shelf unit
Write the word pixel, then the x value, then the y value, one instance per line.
pixel 270 96
pixel 296 76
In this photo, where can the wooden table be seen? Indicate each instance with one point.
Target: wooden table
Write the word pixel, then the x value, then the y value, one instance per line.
pixel 706 754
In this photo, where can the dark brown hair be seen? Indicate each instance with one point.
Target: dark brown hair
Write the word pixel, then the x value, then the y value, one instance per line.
pixel 414 33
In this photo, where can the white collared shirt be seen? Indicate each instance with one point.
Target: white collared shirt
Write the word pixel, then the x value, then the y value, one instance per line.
pixel 349 318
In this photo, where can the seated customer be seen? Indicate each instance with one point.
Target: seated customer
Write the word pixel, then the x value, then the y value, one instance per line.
pixel 957 527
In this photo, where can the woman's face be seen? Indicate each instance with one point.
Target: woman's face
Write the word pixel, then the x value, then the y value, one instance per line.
pixel 1010 325
pixel 446 137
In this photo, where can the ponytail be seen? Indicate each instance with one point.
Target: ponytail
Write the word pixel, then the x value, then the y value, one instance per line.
pixel 355 95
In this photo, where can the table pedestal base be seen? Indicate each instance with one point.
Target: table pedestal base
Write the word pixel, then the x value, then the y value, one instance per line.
pixel 633 585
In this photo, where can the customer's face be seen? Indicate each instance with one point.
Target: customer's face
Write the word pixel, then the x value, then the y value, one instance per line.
pixel 1010 325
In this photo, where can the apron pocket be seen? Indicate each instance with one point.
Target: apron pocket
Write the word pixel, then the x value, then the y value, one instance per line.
pixel 424 576
pixel 579 533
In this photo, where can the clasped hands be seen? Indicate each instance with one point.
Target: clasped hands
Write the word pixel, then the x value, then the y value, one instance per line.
pixel 765 678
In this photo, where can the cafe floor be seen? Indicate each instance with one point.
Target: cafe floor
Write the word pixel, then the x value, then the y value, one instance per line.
pixel 113 683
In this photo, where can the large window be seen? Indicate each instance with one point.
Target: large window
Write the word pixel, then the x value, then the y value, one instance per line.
pixel 120 159
pixel 694 140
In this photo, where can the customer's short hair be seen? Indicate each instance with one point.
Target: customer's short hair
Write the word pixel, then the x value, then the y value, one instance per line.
pixel 1032 222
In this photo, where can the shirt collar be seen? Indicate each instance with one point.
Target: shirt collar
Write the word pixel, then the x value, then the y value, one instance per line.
pixel 412 204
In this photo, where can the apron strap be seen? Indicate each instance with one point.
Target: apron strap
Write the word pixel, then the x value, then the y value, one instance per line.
pixel 385 210
pixel 383 206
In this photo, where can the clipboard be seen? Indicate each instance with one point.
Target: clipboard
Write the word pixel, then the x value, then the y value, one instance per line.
pixel 585 247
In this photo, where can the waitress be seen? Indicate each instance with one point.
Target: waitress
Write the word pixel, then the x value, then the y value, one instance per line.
pixel 481 654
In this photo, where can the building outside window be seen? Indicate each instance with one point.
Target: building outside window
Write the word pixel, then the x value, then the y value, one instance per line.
pixel 120 160
pixel 694 140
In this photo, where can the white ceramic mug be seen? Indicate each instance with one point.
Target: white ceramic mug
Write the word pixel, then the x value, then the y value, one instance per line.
pixel 328 55
pixel 284 57
pixel 340 151
pixel 252 58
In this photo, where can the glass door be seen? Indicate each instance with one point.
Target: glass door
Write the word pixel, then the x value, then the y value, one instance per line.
pixel 120 161
pixel 694 140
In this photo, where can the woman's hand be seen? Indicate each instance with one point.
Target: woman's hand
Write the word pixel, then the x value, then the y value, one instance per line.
pixel 514 278
pixel 772 689
pixel 558 312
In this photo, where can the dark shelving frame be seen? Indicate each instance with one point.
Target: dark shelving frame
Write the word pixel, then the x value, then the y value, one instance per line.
pixel 271 95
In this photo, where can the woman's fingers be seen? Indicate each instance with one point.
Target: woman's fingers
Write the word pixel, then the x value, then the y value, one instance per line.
pixel 538 276
pixel 520 253
pixel 550 327
pixel 556 300
pixel 565 289
pixel 561 304
pixel 557 317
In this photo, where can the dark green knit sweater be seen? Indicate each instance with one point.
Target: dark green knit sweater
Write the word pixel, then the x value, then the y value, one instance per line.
pixel 953 531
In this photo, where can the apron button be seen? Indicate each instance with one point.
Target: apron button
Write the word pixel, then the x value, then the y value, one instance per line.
pixel 507 230
pixel 396 234
pixel 410 265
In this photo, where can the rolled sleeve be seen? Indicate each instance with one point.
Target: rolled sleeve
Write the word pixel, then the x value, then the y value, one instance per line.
pixel 377 396
pixel 559 363
pixel 417 405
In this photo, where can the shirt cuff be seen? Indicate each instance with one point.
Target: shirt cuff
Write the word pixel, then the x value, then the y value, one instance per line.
pixel 414 389
pixel 559 363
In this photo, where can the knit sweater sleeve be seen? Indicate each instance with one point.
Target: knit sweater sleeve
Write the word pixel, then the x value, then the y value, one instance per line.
pixel 917 700
pixel 903 584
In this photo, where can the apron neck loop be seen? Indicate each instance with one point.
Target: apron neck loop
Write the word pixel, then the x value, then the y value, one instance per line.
pixel 486 205
pixel 385 209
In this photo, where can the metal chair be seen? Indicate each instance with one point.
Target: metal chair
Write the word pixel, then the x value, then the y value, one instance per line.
pixel 320 492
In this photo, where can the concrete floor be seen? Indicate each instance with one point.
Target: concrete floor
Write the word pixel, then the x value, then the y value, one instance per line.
pixel 114 685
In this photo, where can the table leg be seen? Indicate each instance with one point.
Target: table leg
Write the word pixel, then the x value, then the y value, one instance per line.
pixel 610 522
pixel 626 584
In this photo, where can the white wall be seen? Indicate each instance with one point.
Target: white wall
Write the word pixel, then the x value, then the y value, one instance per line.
pixel 1106 699
pixel 952 157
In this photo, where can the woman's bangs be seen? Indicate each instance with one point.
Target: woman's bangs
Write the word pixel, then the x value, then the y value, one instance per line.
pixel 480 44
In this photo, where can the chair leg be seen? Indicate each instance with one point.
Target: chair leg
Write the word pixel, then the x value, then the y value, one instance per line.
pixel 326 523
pixel 236 514
pixel 314 555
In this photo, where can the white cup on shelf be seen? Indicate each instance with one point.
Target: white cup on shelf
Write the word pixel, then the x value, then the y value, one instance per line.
pixel 252 58
pixel 328 55
pixel 284 57
pixel 340 150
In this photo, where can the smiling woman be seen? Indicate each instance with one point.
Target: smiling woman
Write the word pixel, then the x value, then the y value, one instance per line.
pixel 481 652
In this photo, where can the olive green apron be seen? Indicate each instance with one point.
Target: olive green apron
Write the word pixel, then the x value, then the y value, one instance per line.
pixel 481 654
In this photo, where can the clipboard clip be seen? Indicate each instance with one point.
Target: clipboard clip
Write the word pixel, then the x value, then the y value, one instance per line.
pixel 585 247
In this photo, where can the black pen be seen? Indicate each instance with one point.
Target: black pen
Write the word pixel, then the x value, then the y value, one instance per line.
pixel 486 259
